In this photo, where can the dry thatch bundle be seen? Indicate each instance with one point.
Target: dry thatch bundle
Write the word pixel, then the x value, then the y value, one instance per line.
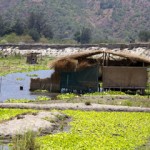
pixel 65 65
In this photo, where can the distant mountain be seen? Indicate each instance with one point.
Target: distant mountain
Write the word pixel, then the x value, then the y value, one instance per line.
pixel 108 19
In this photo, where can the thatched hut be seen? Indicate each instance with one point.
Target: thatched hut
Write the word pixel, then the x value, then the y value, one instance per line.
pixel 118 70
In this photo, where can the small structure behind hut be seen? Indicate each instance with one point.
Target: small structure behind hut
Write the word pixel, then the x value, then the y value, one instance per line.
pixel 32 58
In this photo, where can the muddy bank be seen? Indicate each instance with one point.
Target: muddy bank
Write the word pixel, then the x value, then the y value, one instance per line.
pixel 42 123
pixel 75 106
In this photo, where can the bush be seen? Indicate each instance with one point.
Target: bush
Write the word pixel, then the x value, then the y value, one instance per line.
pixel 25 142
pixel 144 36
pixel 34 34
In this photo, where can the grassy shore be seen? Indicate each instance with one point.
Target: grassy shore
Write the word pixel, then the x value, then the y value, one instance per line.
pixel 18 63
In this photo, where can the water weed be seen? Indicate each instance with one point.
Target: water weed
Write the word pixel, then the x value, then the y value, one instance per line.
pixel 101 131
pixel 6 114
pixel 66 96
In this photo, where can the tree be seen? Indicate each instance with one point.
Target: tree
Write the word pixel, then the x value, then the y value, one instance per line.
pixel 47 32
pixel 2 26
pixel 85 35
pixel 18 28
pixel 144 36
pixel 36 21
pixel 34 34
pixel 77 36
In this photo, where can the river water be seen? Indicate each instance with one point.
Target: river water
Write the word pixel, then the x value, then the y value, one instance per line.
pixel 10 84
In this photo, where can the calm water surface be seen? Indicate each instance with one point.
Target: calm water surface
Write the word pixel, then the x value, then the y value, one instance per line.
pixel 10 85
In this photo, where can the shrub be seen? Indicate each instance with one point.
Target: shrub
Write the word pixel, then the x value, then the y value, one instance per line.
pixel 25 142
pixel 34 34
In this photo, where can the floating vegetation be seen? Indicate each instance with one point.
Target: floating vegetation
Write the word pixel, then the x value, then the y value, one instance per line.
pixel 66 96
pixel 19 79
pixel 41 91
pixel 105 93
pixel 6 114
pixel 32 75
pixel 43 98
pixel 101 131
pixel 39 98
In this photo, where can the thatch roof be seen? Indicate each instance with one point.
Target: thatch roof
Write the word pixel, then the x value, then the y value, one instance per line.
pixel 121 54
pixel 86 54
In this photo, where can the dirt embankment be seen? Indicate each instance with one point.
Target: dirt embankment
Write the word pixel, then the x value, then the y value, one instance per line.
pixel 75 106
pixel 43 123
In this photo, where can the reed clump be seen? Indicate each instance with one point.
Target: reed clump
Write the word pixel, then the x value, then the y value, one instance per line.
pixel 25 142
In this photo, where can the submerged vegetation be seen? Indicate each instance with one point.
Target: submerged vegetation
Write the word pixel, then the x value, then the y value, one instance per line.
pixel 101 131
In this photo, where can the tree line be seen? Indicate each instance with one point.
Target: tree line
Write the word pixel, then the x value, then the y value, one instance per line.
pixel 37 26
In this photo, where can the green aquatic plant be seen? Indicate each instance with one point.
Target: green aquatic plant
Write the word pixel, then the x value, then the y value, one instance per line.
pixel 105 93
pixel 100 131
pixel 41 91
pixel 11 100
pixel 66 96
pixel 43 98
pixel 19 79
pixel 39 98
pixel 6 114
pixel 32 75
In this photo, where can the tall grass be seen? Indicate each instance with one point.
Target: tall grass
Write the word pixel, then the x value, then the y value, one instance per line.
pixel 25 142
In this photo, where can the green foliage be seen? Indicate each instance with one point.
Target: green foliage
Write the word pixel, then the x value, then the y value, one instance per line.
pixel 31 75
pixel 6 114
pixel 43 98
pixel 105 93
pixel 144 36
pixel 77 36
pixel 11 100
pixel 38 99
pixel 18 64
pixel 101 131
pixel 66 96
pixel 25 142
pixel 34 34
pixel 19 79
pixel 126 103
pixel 84 36
pixel 18 28
pixel 61 19
pixel 13 38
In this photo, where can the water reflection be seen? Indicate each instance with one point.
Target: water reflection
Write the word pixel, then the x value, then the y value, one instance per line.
pixel 11 83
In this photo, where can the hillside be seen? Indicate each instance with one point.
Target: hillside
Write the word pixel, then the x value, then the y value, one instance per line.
pixel 108 19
